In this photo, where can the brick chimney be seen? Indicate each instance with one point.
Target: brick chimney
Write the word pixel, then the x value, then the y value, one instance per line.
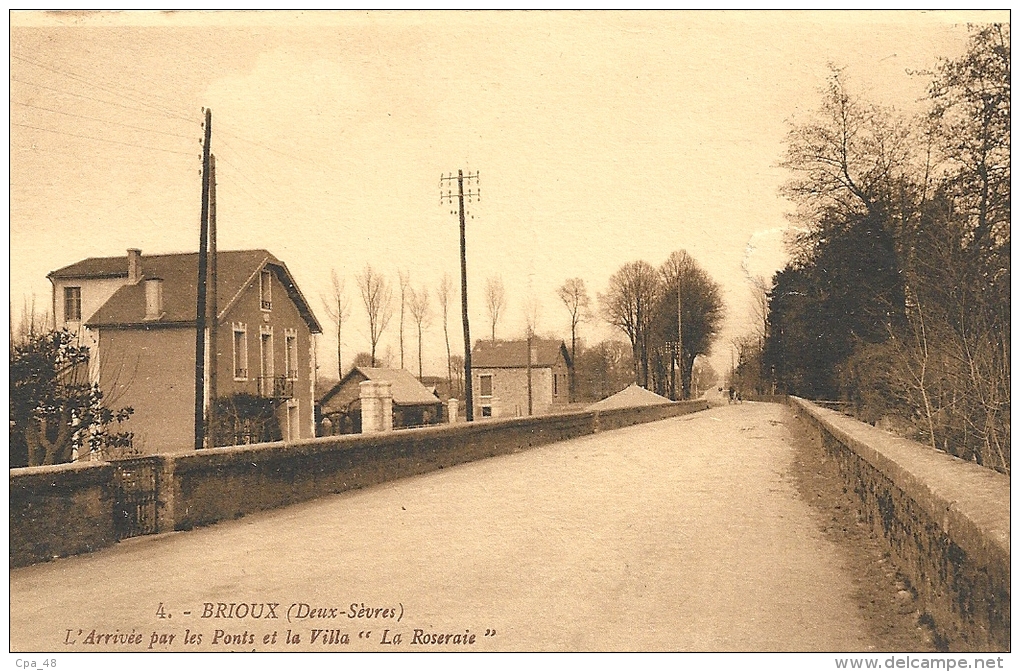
pixel 134 266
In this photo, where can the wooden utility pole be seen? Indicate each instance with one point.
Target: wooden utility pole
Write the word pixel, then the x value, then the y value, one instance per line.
pixel 213 308
pixel 680 335
pixel 448 198
pixel 531 337
pixel 200 310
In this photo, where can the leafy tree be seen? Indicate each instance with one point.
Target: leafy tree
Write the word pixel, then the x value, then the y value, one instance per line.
pixel 848 165
pixel 54 408
pixel 797 349
pixel 898 298
pixel 851 294
pixel 688 296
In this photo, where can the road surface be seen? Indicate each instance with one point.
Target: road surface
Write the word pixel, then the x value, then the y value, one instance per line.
pixel 680 535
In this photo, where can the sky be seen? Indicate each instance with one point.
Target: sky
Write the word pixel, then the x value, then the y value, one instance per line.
pixel 601 138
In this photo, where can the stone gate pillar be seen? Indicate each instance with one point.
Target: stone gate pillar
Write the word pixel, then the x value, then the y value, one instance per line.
pixel 453 406
pixel 376 406
pixel 385 405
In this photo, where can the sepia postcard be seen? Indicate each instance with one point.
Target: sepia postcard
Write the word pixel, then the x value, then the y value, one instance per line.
pixel 488 331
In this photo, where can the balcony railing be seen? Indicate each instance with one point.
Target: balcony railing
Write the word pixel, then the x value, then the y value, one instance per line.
pixel 276 387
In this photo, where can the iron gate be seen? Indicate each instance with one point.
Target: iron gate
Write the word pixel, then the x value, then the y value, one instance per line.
pixel 134 492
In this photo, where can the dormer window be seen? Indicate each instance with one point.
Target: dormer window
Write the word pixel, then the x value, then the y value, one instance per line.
pixel 266 290
pixel 72 304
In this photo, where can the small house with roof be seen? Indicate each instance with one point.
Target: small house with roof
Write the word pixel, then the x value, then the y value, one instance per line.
pixel 414 405
pixel 137 314
pixel 499 373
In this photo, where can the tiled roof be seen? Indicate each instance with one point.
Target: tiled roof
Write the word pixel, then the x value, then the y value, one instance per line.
pixel 514 354
pixel 179 272
pixel 628 398
pixel 97 267
pixel 406 389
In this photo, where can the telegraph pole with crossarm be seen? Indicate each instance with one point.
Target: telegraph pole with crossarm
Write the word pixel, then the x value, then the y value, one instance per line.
pixel 447 195
pixel 203 271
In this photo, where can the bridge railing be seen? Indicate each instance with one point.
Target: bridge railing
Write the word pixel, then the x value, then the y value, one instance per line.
pixel 945 522
pixel 68 509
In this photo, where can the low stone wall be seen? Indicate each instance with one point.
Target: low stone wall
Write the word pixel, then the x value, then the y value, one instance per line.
pixel 946 523
pixel 59 510
pixel 225 483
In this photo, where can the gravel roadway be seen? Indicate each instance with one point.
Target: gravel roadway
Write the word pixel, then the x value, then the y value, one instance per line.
pixel 680 535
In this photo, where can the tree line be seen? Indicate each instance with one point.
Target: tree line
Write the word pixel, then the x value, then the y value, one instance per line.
pixel 670 315
pixel 897 297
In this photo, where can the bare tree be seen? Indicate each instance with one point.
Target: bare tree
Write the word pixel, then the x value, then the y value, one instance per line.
pixel 457 367
pixel 495 301
pixel 751 349
pixel 377 296
pixel 405 283
pixel 421 313
pixel 33 322
pixel 532 313
pixel 760 288
pixel 574 296
pixel 337 305
pixel 628 304
pixel 445 287
pixel 848 158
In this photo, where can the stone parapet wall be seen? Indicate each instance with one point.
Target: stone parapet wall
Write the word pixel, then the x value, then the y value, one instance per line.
pixel 59 510
pixel 225 483
pixel 203 487
pixel 946 523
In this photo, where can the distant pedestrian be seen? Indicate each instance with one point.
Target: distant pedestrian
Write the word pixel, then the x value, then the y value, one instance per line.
pixel 731 395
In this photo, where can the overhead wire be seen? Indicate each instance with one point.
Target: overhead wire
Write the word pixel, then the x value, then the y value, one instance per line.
pixel 107 89
pixel 89 137
pixel 264 146
pixel 105 121
pixel 221 142
pixel 235 170
pixel 119 91
pixel 44 150
pixel 152 110
pixel 80 95
pixel 162 110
